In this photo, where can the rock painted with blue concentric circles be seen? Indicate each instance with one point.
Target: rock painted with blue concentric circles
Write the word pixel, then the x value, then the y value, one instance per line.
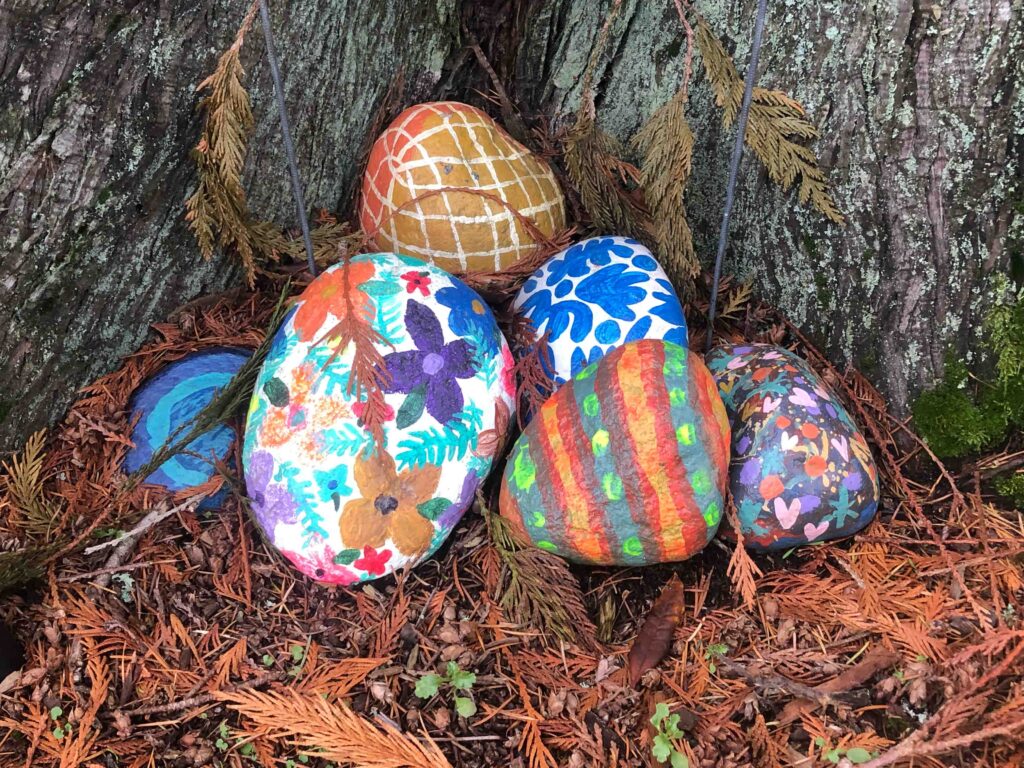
pixel 801 471
pixel 169 400
pixel 338 508
pixel 626 464
pixel 598 295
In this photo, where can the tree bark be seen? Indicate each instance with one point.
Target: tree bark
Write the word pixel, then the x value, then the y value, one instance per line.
pixel 920 110
pixel 921 115
pixel 97 116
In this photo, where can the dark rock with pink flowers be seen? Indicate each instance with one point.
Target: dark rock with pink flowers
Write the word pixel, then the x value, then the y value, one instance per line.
pixel 801 471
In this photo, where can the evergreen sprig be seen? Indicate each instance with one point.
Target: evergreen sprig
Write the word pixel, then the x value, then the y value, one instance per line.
pixel 776 126
pixel 665 143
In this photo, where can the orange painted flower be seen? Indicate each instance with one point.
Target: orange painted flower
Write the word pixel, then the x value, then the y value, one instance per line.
pixel 815 466
pixel 326 296
pixel 389 507
pixel 771 487
pixel 783 422
pixel 810 431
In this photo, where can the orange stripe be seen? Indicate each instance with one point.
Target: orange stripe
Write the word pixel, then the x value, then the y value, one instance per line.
pixel 623 453
pixel 594 533
pixel 576 517
pixel 643 428
pixel 634 422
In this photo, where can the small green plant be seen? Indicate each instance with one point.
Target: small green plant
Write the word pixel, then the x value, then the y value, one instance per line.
pixel 59 731
pixel 856 755
pixel 457 679
pixel 713 652
pixel 298 654
pixel 964 413
pixel 667 726
pixel 222 741
pixel 1012 487
pixel 268 660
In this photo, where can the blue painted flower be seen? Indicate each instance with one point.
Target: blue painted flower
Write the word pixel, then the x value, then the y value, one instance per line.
pixel 668 307
pixel 577 260
pixel 469 317
pixel 615 289
pixel 332 484
pixel 560 315
pixel 581 361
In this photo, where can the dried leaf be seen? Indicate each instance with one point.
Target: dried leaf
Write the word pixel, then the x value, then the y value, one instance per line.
pixel 655 636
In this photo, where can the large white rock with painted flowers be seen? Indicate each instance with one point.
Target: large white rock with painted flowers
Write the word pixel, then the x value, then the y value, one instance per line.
pixel 340 510
pixel 596 296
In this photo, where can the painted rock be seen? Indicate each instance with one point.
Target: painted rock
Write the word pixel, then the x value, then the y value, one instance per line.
pixel 801 470
pixel 340 510
pixel 172 398
pixel 448 144
pixel 626 464
pixel 597 295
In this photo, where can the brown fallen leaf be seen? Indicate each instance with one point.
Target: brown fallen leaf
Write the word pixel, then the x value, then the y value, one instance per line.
pixel 655 636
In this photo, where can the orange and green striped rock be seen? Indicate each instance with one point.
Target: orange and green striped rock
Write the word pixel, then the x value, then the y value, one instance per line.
pixel 626 464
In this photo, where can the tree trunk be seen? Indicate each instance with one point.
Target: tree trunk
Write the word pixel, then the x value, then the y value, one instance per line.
pixel 921 115
pixel 919 108
pixel 97 115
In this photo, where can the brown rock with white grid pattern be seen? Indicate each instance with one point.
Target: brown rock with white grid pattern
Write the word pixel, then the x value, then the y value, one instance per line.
pixel 446 145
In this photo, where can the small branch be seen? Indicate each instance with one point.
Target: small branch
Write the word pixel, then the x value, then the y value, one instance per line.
pixel 205 698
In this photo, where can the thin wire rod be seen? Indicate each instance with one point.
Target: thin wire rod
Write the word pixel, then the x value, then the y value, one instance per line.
pixel 734 165
pixel 286 131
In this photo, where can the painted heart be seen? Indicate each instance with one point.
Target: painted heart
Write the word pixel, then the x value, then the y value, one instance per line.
pixel 841 445
pixel 812 532
pixel 769 404
pixel 802 397
pixel 787 514
pixel 736 362
pixel 789 441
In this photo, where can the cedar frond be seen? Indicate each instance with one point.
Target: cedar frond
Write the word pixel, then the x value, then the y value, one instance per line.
pixel 332 731
pixel 665 143
pixel 592 158
pixel 369 375
pixel 776 123
pixel 538 589
pixel 735 300
pixel 218 212
pixel 531 743
pixel 742 570
pixel 21 566
pixel 532 367
pixel 36 513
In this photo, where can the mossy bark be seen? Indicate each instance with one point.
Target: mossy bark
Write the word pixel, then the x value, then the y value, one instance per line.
pixel 919 108
pixel 97 116
pixel 921 114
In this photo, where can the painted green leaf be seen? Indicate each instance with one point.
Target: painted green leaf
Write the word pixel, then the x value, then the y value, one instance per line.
pixel 434 508
pixel 276 392
pixel 412 408
pixel 380 288
pixel 346 556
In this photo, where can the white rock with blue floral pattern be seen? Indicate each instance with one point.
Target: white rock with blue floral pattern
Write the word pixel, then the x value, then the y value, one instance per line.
pixel 340 510
pixel 597 295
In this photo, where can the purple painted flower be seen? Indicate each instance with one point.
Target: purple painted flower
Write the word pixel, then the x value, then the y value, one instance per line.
pixel 809 503
pixel 271 503
pixel 429 373
pixel 852 481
